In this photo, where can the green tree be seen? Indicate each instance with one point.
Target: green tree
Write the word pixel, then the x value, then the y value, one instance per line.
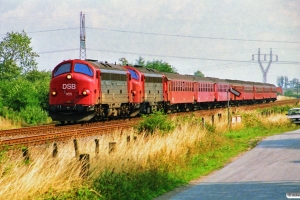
pixel 293 83
pixel 19 93
pixel 123 61
pixel 288 93
pixel 280 81
pixel 36 75
pixel 140 61
pixel 16 54
pixel 199 73
pixel 40 81
pixel 161 66
pixel 9 70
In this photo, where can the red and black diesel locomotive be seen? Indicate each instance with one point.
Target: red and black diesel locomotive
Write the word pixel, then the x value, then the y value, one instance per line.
pixel 84 90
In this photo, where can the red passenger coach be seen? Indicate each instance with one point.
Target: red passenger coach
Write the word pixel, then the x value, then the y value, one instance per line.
pixel 180 92
pixel 238 86
pixel 221 88
pixel 258 92
pixel 248 92
pixel 205 92
pixel 270 92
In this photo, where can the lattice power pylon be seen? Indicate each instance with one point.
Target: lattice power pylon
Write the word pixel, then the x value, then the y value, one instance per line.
pixel 82 53
pixel 263 70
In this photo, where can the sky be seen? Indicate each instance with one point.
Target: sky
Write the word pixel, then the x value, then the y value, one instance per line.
pixel 221 38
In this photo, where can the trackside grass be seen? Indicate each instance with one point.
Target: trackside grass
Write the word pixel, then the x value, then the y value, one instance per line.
pixel 145 167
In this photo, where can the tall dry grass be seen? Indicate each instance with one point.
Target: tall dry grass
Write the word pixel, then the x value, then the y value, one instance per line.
pixel 43 173
pixel 7 124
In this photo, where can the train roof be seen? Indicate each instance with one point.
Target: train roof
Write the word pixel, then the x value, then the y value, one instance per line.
pixel 218 80
pixel 105 65
pixel 172 76
pixel 146 70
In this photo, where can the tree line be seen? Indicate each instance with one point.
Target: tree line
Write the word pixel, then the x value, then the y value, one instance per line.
pixel 290 87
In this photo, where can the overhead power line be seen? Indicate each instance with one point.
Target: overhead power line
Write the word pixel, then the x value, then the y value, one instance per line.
pixel 191 58
pixel 44 31
pixel 190 36
pixel 171 56
pixel 56 51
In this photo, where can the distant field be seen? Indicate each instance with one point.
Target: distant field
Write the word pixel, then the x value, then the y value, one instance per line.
pixel 281 98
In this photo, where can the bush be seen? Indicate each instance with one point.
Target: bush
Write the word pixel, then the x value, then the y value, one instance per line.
pixel 19 93
pixel 26 98
pixel 134 185
pixel 30 115
pixel 33 115
pixel 251 120
pixel 9 113
pixel 155 121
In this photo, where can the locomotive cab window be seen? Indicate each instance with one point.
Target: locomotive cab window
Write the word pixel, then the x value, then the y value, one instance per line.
pixel 84 69
pixel 133 74
pixel 65 68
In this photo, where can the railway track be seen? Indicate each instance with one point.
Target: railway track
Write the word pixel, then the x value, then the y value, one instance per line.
pixel 73 131
pixel 52 133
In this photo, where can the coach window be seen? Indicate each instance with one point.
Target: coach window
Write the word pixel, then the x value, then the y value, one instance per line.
pixel 84 69
pixel 64 68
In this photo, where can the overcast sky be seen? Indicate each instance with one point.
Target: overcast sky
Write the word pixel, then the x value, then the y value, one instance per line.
pixel 217 37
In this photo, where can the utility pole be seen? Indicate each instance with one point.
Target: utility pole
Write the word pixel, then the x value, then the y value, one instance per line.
pixel 82 51
pixel 263 70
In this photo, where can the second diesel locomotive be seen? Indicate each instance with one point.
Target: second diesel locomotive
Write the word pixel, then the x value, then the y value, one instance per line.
pixel 83 90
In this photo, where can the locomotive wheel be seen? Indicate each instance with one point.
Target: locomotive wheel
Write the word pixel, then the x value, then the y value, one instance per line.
pixel 124 111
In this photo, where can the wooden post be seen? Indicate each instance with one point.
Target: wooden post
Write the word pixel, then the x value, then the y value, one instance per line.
pixel 55 151
pixel 219 116
pixel 212 119
pixel 25 154
pixel 76 147
pixel 85 165
pixel 128 139
pixel 112 147
pixel 97 146
pixel 203 122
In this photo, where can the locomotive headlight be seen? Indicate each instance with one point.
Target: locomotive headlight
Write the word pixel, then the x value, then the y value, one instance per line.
pixel 85 92
pixel 53 93
pixel 69 76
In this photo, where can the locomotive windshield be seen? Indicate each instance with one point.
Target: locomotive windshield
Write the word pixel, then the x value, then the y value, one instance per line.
pixel 84 69
pixel 62 69
pixel 133 74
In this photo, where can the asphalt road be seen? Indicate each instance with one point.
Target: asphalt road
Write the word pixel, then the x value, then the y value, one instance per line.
pixel 269 171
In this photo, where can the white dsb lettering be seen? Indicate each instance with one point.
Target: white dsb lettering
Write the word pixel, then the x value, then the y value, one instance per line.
pixel 69 86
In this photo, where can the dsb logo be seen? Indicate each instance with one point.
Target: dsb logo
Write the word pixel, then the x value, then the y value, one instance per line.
pixel 69 86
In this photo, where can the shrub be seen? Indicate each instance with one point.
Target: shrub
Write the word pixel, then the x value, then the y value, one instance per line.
pixel 33 115
pixel 155 121
pixel 251 120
